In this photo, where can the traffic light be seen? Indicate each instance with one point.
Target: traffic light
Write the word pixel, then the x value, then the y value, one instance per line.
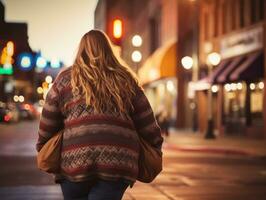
pixel 117 31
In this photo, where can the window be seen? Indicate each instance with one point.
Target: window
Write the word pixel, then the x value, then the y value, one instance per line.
pixel 155 28
pixel 257 10
pixel 233 14
pixel 253 6
pixel 242 13
pixel 256 102
pixel 234 107
pixel 261 9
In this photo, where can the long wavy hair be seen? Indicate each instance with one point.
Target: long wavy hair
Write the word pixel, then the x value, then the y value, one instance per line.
pixel 107 85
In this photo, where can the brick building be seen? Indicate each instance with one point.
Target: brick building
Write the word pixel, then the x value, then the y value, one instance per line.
pixel 167 37
pixel 236 30
pixel 20 82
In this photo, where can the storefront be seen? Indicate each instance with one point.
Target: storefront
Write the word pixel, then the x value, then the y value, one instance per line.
pixel 158 77
pixel 240 76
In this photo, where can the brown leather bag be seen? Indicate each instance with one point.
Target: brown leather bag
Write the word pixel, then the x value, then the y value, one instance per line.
pixel 150 162
pixel 48 158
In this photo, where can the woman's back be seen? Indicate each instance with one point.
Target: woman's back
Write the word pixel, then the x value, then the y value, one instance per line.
pixel 101 124
pixel 96 145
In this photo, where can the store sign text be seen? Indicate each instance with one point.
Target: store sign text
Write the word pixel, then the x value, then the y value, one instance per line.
pixel 242 43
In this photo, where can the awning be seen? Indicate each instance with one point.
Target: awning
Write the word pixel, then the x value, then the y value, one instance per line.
pixel 217 71
pixel 252 68
pixel 241 68
pixel 206 82
pixel 223 77
pixel 162 63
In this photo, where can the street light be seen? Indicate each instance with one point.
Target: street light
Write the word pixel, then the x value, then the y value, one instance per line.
pixel 187 62
pixel 136 56
pixel 136 41
pixel 213 59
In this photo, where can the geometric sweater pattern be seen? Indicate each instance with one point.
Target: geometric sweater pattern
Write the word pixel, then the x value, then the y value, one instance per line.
pixel 104 146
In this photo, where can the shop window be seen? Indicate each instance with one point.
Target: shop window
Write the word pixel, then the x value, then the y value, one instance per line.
pixel 234 107
pixel 256 102
pixel 162 97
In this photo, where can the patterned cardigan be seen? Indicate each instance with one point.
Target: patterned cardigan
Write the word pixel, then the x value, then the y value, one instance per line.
pixel 96 145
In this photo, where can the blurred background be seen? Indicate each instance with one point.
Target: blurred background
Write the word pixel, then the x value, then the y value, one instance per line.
pixel 201 64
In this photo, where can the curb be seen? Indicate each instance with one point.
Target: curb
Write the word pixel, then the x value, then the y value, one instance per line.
pixel 205 149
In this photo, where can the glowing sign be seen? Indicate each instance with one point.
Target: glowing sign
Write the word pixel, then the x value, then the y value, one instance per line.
pixel 6 59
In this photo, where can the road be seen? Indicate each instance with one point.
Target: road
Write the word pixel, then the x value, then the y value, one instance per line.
pixel 186 176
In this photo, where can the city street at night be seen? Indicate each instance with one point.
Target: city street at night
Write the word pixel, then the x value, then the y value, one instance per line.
pixel 186 175
pixel 116 90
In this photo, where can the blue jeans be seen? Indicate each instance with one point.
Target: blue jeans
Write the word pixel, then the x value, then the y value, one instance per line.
pixel 97 190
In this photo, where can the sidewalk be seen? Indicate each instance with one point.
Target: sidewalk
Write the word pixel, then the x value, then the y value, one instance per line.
pixel 195 142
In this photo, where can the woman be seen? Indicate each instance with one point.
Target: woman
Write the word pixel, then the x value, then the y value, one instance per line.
pixel 102 111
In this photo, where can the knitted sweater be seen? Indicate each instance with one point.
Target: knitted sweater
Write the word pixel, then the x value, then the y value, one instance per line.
pixel 96 145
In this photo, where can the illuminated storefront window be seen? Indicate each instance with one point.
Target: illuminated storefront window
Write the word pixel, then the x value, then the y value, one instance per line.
pixel 234 106
pixel 256 102
pixel 162 96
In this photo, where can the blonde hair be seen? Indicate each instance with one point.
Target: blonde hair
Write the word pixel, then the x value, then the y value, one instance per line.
pixel 97 74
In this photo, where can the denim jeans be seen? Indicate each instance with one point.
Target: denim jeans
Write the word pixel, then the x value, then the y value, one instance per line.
pixel 97 190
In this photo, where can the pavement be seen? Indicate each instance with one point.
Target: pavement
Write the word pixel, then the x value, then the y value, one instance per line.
pixel 188 141
pixel 194 168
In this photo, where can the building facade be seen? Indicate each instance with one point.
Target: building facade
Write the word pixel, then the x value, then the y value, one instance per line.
pixel 166 38
pixel 13 42
pixel 236 30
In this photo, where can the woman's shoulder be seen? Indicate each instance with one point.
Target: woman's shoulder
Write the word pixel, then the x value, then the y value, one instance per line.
pixel 63 78
pixel 64 71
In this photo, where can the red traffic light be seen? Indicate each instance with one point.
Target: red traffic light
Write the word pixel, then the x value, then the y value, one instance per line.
pixel 117 29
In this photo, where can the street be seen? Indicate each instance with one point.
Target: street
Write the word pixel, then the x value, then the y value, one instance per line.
pixel 186 175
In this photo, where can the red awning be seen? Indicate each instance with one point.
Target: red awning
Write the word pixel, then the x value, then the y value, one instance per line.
pixel 235 62
pixel 218 70
pixel 252 68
